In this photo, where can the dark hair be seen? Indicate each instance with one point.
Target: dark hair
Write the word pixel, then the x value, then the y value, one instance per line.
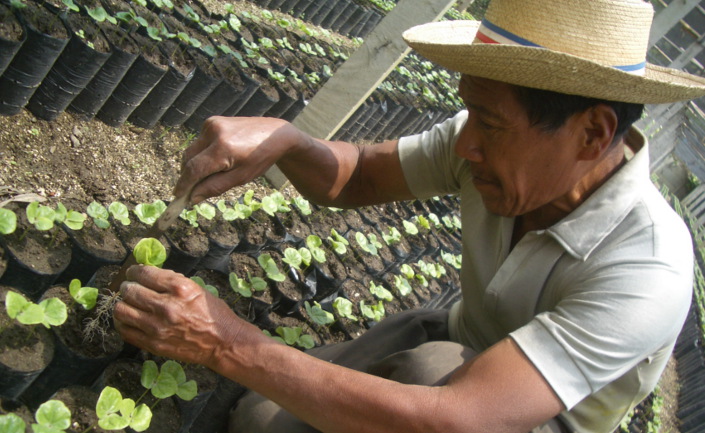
pixel 550 110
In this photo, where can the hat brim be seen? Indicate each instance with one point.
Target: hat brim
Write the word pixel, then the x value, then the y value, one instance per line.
pixel 450 44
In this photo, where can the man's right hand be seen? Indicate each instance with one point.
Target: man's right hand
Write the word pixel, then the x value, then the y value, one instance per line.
pixel 232 151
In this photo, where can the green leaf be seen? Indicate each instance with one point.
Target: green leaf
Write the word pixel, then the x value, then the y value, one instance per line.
pixel 74 220
pixel 15 304
pixel 270 267
pixel 149 375
pixel 55 313
pixel 407 271
pixel 120 212
pixel 306 256
pixel 239 285
pixel 268 203
pixel 53 414
pixel 402 285
pixel 165 385
pixel 344 308
pixel 314 244
pixel 380 292
pixel 86 296
pixel 303 205
pixel 292 257
pixel 113 421
pixel 258 284
pixel 206 210
pixel 187 390
pixel 11 423
pixel 8 221
pixel 126 407
pixel 175 370
pixel 97 210
pixel 306 341
pixel 32 314
pixel 318 314
pixel 372 312
pixel 149 251
pixel 141 418
pixel 410 228
pixel 290 335
pixel 393 237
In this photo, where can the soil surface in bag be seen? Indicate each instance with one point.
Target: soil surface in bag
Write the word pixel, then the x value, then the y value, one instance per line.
pixel 82 332
pixel 11 36
pixel 47 252
pixel 23 347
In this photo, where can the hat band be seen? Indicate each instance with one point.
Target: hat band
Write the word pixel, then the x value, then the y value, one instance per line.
pixel 490 33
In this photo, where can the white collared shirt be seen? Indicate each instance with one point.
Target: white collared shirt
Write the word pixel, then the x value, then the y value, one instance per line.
pixel 596 301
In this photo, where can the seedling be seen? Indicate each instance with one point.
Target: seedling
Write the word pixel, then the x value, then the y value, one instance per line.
pixel 85 296
pixel 207 287
pixel 238 211
pixel 314 245
pixel 319 316
pixel 402 285
pixel 452 259
pixel 344 308
pixel 393 237
pixel 423 222
pixel 52 417
pixel 292 337
pixel 303 205
pixel 368 243
pixel 148 213
pixel 296 258
pixel 407 271
pixel 8 221
pixel 410 228
pixel 99 213
pixel 270 267
pixel 338 242
pixel 433 270
pixel 70 5
pixel 167 381
pixel 118 413
pixel 380 292
pixel 119 212
pixel 99 14
pixel 190 216
pixel 149 251
pixel 11 423
pixel 372 312
pixel 244 287
pixel 49 312
pixel 249 200
pixel 435 220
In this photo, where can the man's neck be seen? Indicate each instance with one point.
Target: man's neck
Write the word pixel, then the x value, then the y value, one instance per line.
pixel 549 214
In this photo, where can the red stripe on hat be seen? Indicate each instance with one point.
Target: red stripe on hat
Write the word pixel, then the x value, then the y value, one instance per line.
pixel 484 38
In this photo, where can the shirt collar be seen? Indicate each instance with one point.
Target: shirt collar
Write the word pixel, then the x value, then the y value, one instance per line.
pixel 583 229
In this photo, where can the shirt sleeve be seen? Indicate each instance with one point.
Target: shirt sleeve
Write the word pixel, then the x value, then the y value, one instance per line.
pixel 428 159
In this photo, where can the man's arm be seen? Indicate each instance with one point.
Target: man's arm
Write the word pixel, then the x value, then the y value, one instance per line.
pixel 498 391
pixel 233 151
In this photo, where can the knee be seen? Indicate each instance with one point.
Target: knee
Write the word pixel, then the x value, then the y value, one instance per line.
pixel 429 364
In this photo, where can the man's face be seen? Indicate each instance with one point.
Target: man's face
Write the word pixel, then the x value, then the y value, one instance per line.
pixel 517 167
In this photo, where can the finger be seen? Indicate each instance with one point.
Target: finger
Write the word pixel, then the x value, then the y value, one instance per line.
pixel 153 278
pixel 213 159
pixel 126 315
pixel 138 297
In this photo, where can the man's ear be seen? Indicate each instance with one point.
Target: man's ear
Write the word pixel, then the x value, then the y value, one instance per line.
pixel 600 124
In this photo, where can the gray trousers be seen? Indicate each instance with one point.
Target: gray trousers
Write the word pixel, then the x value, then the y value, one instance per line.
pixel 410 347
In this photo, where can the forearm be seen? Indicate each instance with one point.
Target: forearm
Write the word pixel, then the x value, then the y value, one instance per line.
pixel 322 171
pixel 329 397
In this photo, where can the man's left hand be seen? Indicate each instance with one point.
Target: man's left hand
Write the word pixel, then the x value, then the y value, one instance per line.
pixel 169 315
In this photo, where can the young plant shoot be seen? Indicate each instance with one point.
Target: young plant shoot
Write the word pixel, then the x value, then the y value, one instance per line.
pixel 85 296
pixel 315 246
pixel 270 267
pixel 49 312
pixel 372 312
pixel 344 308
pixel 99 213
pixel 8 221
pixel 119 212
pixel 118 413
pixel 337 242
pixel 380 292
pixel 319 316
pixel 150 251
pixel 246 288
pixel 167 381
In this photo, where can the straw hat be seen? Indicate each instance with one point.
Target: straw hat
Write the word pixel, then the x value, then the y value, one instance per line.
pixel 593 48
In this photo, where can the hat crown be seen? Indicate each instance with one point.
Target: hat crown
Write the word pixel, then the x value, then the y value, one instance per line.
pixel 609 32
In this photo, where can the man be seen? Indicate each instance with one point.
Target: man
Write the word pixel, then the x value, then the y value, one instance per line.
pixel 576 274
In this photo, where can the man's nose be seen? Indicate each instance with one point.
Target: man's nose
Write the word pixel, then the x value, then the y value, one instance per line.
pixel 468 147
